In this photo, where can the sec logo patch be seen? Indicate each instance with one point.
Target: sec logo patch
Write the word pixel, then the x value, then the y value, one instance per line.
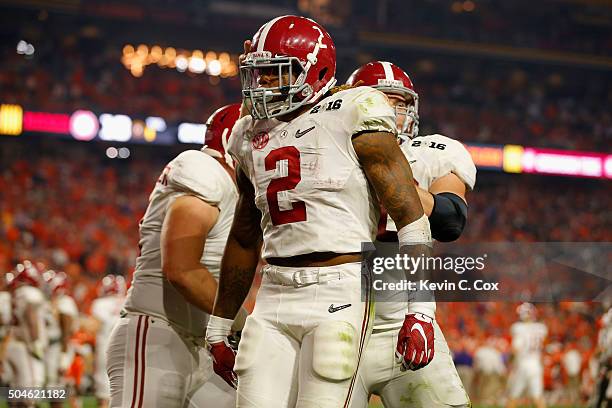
pixel 260 140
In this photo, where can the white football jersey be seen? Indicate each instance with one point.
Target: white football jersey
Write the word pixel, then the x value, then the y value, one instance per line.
pixel 191 173
pixel 528 341
pixel 430 157
pixel 26 297
pixel 59 305
pixel 6 313
pixel 6 309
pixel 309 185
pixel 489 360
pixel 435 156
pixel 52 324
pixel 106 310
pixel 65 304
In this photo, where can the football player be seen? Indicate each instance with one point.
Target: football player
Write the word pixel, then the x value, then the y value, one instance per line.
pixel 105 311
pixel 527 372
pixel 60 315
pixel 443 171
pixel 6 313
pixel 26 348
pixel 155 356
pixel 311 168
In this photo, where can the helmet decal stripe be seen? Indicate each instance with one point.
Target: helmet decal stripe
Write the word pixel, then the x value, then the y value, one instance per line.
pixel 388 70
pixel 264 33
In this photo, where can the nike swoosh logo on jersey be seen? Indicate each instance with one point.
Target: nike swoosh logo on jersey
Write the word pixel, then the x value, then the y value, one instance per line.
pixel 299 134
pixel 333 309
pixel 419 328
pixel 412 161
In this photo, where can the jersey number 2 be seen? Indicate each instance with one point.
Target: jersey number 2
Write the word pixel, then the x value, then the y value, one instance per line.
pixel 297 212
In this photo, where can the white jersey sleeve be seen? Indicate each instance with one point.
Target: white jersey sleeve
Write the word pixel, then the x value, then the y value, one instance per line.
pixel 187 174
pixel 371 112
pixel 5 308
pixel 436 156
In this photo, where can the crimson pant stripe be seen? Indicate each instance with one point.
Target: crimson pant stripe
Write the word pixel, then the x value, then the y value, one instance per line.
pixel 143 362
pixel 364 334
pixel 136 359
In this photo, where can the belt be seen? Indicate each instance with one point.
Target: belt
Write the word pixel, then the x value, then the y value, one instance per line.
pixel 297 278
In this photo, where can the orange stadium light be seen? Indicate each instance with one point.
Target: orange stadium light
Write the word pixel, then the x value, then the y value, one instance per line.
pixel 11 119
pixel 486 156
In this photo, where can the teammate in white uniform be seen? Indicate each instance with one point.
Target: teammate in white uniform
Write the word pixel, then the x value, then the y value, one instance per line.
pixel 443 170
pixel 155 356
pixel 28 343
pixel 61 313
pixel 6 317
pixel 105 311
pixel 310 168
pixel 527 372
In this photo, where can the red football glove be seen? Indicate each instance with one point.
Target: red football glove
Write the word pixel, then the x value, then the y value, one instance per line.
pixel 223 362
pixel 415 343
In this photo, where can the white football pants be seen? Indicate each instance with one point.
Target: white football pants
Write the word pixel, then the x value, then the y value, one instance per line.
pixel 150 365
pixel 302 344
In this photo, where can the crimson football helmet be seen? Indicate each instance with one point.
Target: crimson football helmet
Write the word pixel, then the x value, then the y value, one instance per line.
pixel 25 273
pixel 56 282
pixel 218 130
pixel 297 51
pixel 112 285
pixel 391 79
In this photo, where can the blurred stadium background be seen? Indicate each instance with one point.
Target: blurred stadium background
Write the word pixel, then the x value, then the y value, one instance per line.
pixel 97 95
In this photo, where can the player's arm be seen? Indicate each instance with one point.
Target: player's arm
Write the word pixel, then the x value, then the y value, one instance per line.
pixel 241 251
pixel 237 270
pixel 186 226
pixel 31 320
pixel 390 174
pixel 67 327
pixel 446 206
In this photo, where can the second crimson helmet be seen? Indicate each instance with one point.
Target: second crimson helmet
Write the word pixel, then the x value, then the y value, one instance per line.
pixel 300 53
pixel 391 79
pixel 218 130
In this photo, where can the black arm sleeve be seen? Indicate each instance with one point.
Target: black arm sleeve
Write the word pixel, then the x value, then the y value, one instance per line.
pixel 448 217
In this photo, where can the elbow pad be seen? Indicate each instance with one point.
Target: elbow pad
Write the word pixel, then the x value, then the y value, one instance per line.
pixel 448 217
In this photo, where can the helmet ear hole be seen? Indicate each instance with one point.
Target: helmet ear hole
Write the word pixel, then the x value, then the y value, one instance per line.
pixel 322 73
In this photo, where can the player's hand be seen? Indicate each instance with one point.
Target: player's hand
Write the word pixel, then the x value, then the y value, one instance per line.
pixel 222 354
pixel 415 343
pixel 245 109
pixel 223 362
pixel 246 49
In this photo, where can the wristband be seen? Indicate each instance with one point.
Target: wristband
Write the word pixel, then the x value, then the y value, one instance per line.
pixel 425 308
pixel 417 232
pixel 218 329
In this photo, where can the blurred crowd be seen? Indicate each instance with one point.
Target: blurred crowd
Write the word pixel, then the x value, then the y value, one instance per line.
pixel 541 25
pixel 462 97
